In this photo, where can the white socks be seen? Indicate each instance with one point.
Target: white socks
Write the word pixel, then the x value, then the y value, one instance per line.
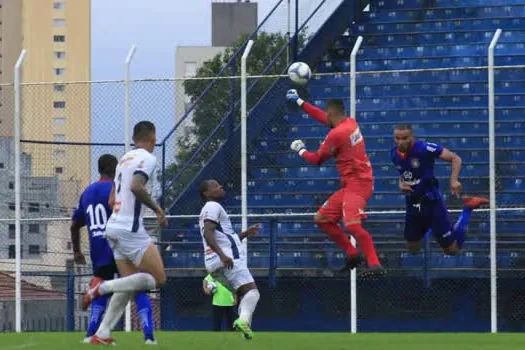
pixel 247 305
pixel 116 308
pixel 138 282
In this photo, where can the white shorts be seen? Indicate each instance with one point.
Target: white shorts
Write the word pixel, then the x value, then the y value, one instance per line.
pixel 235 277
pixel 128 245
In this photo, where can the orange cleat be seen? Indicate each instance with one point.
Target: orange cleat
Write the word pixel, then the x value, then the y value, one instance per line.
pixel 474 202
pixel 96 340
pixel 92 293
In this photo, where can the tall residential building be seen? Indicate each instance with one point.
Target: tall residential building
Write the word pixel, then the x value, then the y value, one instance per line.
pixel 57 37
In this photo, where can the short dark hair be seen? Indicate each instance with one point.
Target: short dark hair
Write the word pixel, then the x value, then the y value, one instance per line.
pixel 404 127
pixel 336 104
pixel 107 163
pixel 203 187
pixel 143 129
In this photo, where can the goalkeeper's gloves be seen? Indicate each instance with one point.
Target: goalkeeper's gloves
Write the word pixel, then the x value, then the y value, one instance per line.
pixel 298 146
pixel 292 96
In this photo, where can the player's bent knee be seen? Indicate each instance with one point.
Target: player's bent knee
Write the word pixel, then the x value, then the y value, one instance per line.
pixel 161 280
pixel 246 288
pixel 351 225
pixel 451 251
pixel 414 247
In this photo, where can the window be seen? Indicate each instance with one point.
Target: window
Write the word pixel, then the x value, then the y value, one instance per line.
pixel 34 249
pixel 59 170
pixel 59 154
pixel 12 252
pixel 69 246
pixel 12 231
pixel 34 207
pixel 59 121
pixel 59 104
pixel 60 55
pixel 190 69
pixel 59 87
pixel 34 228
pixel 59 38
pixel 59 5
pixel 1 165
pixel 59 138
pixel 59 22
pixel 11 185
pixel 60 71
pixel 11 206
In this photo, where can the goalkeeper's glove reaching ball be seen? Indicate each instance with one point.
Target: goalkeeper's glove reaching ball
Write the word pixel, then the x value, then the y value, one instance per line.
pixel 293 96
pixel 298 146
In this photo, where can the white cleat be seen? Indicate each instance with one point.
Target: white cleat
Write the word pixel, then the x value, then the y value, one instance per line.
pixel 151 342
pixel 87 340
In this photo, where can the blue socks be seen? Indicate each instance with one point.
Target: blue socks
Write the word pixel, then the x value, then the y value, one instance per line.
pixel 98 306
pixel 145 312
pixel 461 225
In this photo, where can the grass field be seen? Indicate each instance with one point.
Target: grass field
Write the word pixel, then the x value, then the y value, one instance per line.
pixel 278 341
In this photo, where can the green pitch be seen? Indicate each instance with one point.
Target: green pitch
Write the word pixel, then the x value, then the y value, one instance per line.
pixel 277 341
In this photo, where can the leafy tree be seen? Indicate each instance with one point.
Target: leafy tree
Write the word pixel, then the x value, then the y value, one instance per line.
pixel 223 101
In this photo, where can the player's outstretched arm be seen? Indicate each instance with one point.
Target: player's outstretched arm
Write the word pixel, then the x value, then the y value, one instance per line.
pixel 451 157
pixel 325 152
pixel 209 236
pixel 314 112
pixel 252 231
pixel 138 188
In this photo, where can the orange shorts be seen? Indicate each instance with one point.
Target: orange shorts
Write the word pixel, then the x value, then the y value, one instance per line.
pixel 348 203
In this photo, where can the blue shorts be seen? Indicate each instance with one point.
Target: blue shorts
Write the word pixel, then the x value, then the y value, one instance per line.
pixel 425 215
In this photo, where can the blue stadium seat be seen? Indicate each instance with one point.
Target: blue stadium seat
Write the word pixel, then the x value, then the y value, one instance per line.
pixel 466 3
pixel 257 259
pixel 438 38
pixel 445 107
pixel 448 26
pixel 411 89
pixel 382 64
pixel 438 13
pixel 412 260
pixel 430 77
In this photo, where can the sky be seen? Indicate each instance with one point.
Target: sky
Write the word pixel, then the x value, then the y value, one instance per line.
pixel 156 27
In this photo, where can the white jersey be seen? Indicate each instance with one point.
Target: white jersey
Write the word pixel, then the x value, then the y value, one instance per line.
pixel 128 212
pixel 225 237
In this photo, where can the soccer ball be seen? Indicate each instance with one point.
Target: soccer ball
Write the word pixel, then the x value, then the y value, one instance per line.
pixel 299 73
pixel 212 287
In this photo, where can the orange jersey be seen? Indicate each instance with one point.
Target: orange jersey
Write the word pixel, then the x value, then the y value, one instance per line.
pixel 346 144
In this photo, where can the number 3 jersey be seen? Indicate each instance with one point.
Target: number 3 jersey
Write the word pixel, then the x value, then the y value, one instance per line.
pixel 417 169
pixel 128 212
pixel 93 211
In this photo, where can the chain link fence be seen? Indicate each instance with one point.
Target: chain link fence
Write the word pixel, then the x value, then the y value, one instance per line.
pixel 66 127
pixel 295 264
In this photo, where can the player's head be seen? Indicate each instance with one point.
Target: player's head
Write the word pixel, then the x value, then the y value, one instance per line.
pixel 403 137
pixel 335 112
pixel 107 165
pixel 144 135
pixel 211 190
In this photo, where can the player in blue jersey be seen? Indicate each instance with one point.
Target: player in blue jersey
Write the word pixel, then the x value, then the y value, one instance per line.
pixel 425 206
pixel 93 211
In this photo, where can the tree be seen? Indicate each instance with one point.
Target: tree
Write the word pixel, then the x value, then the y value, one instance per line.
pixel 222 102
